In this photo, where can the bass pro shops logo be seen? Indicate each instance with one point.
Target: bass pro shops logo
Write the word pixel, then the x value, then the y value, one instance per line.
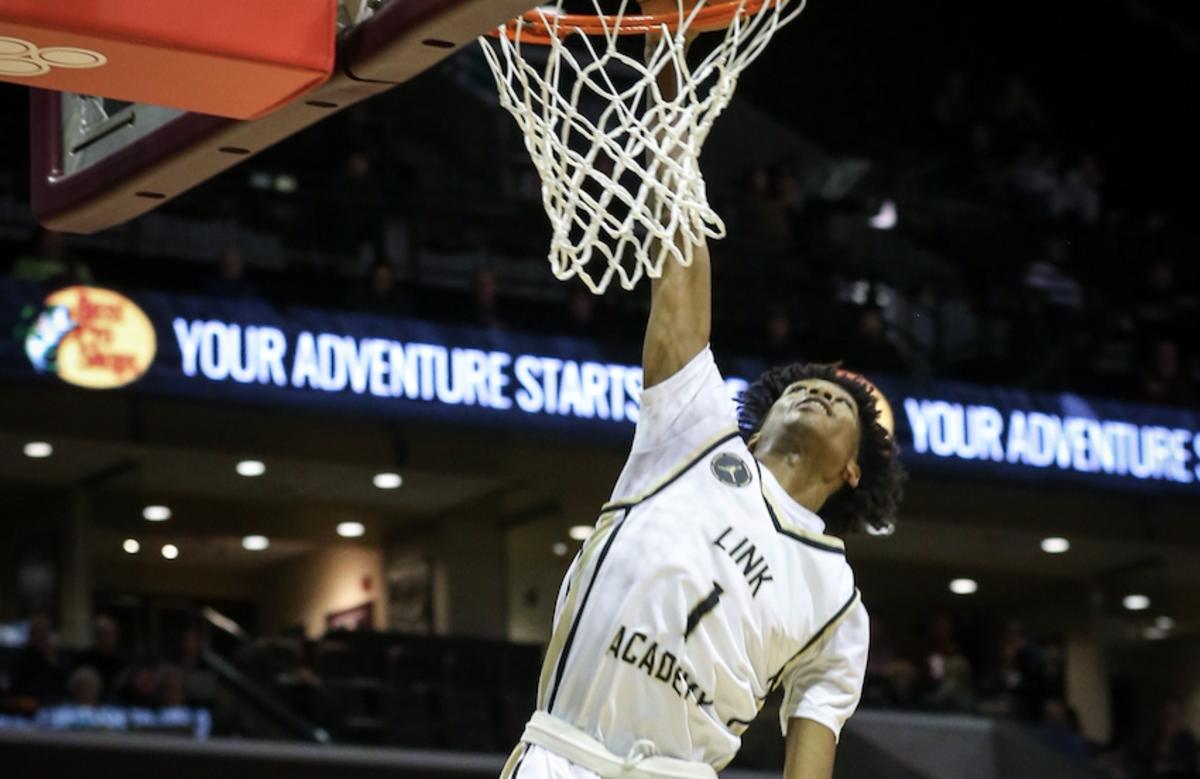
pixel 90 337
pixel 22 59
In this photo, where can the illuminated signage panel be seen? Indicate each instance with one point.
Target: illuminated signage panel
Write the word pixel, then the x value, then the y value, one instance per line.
pixel 251 352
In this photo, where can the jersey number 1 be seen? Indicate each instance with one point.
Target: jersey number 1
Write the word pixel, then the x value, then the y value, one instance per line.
pixel 702 608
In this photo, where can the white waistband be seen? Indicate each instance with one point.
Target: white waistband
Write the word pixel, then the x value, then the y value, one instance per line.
pixel 642 762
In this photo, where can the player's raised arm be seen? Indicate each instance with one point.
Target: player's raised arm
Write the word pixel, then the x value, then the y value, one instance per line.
pixel 681 300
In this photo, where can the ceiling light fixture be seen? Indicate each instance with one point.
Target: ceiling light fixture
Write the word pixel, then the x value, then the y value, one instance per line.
pixel 580 532
pixel 1055 545
pixel 38 449
pixel 131 546
pixel 255 543
pixel 964 586
pixel 388 481
pixel 351 529
pixel 170 551
pixel 156 513
pixel 251 468
pixel 1136 602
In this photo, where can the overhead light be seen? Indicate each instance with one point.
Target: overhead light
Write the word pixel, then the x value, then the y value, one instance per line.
pixel 388 481
pixel 255 543
pixel 1055 545
pixel 1164 623
pixel 156 513
pixel 251 468
pixel 170 551
pixel 131 546
pixel 38 449
pixel 963 586
pixel 350 529
pixel 580 532
pixel 1153 633
pixel 1136 602
pixel 559 549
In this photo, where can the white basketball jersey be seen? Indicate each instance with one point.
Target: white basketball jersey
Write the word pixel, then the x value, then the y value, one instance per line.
pixel 703 588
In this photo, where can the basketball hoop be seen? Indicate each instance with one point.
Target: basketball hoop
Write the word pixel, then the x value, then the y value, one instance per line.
pixel 618 158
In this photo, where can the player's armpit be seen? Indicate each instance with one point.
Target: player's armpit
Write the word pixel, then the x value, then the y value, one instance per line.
pixel 810 750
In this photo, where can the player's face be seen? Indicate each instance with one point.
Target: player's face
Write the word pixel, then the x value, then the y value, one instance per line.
pixel 820 416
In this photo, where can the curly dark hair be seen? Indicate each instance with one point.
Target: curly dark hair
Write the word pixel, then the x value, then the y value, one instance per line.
pixel 873 504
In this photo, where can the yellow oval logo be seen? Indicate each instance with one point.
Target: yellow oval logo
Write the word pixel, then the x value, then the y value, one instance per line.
pixel 92 337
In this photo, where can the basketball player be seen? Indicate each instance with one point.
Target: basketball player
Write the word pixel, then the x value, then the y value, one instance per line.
pixel 713 576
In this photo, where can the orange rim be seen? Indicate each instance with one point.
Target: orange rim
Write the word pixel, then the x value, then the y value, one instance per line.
pixel 539 28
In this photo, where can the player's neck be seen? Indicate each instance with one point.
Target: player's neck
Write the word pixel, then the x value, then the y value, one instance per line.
pixel 799 477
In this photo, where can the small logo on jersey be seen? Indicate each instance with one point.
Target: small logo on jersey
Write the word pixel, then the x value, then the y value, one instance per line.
pixel 729 469
pixel 20 58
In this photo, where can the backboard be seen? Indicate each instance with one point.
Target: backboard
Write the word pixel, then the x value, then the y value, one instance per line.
pixel 98 162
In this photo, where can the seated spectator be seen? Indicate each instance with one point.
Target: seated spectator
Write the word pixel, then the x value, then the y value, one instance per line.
pixel 1171 751
pixel 869 346
pixel 199 681
pixel 104 657
pixel 1024 673
pixel 86 686
pixel 383 294
pixel 780 345
pixel 951 683
pixel 37 671
pixel 1060 732
pixel 1081 193
pixel 1162 307
pixel 580 318
pixel 486 306
pixel 1051 277
pixel 1163 379
pixel 230 281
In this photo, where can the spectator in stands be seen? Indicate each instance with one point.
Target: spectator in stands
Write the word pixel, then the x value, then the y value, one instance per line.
pixel 51 262
pixel 952 107
pixel 1171 751
pixel 37 671
pixel 230 281
pixel 1059 730
pixel 1050 276
pixel 104 657
pixel 1080 193
pixel 1164 380
pixel 199 683
pixel 951 685
pixel 486 306
pixel 1024 673
pixel 1018 116
pixel 580 318
pixel 780 344
pixel 870 347
pixel 86 686
pixel 1162 306
pixel 383 294
pixel 361 216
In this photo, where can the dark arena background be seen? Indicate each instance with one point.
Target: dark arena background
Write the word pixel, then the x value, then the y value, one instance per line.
pixel 298 493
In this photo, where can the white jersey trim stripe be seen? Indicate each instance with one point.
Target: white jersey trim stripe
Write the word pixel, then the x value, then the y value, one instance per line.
pixel 565 625
pixel 807 537
pixel 825 630
pixel 566 650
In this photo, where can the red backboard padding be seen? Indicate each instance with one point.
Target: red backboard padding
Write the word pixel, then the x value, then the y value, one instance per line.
pixel 235 58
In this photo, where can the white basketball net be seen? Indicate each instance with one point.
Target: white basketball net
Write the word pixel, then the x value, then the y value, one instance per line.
pixel 619 163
